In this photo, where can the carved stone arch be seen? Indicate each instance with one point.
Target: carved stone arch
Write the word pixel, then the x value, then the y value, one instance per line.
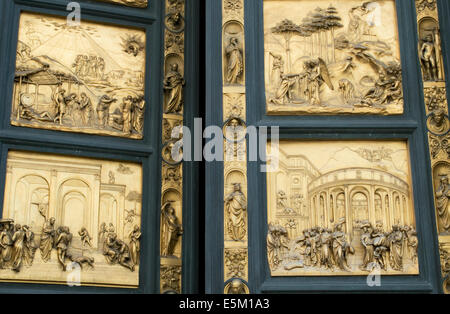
pixel 323 208
pixel 409 217
pixel 75 185
pixel 281 179
pixel 360 206
pixel 24 211
pixel 74 211
pixel 339 204
pixel 397 208
pixel 235 175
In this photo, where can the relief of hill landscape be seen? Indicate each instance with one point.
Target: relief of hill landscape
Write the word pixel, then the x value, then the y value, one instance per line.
pixel 87 78
pixel 332 58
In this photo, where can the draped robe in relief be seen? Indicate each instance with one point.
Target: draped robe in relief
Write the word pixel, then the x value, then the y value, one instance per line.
pixel 47 240
pixel 236 207
pixel 17 251
pixel 396 249
pixel 235 64
pixel 442 203
pixel 174 82
pixel 6 240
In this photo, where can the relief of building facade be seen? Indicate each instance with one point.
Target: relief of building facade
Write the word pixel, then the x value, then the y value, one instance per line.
pixel 66 212
pixel 343 212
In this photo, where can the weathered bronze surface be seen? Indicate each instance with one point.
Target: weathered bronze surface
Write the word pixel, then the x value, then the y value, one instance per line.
pixel 88 78
pixel 341 208
pixel 65 222
pixel 338 57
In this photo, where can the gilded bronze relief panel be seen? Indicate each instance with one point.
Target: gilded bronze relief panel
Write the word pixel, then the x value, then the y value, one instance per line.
pixel 70 220
pixel 129 3
pixel 340 57
pixel 338 208
pixel 87 78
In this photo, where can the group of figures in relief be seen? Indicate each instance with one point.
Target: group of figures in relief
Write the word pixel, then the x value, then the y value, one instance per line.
pixel 74 110
pixel 330 249
pixel 68 79
pixel 89 66
pixel 318 67
pixel 18 245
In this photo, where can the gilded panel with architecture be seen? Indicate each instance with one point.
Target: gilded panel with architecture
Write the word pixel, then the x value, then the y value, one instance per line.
pixel 70 220
pixel 338 208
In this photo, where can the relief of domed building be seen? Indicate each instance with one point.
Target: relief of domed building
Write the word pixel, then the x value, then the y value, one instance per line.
pixel 324 190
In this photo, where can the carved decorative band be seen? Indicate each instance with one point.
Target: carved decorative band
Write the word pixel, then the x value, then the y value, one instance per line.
pixel 432 64
pixel 172 168
pixel 235 166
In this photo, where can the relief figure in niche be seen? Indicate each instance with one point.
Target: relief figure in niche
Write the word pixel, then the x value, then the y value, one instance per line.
pixel 172 230
pixel 428 59
pixel 235 64
pixel 430 50
pixel 443 204
pixel 173 84
pixel 236 209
